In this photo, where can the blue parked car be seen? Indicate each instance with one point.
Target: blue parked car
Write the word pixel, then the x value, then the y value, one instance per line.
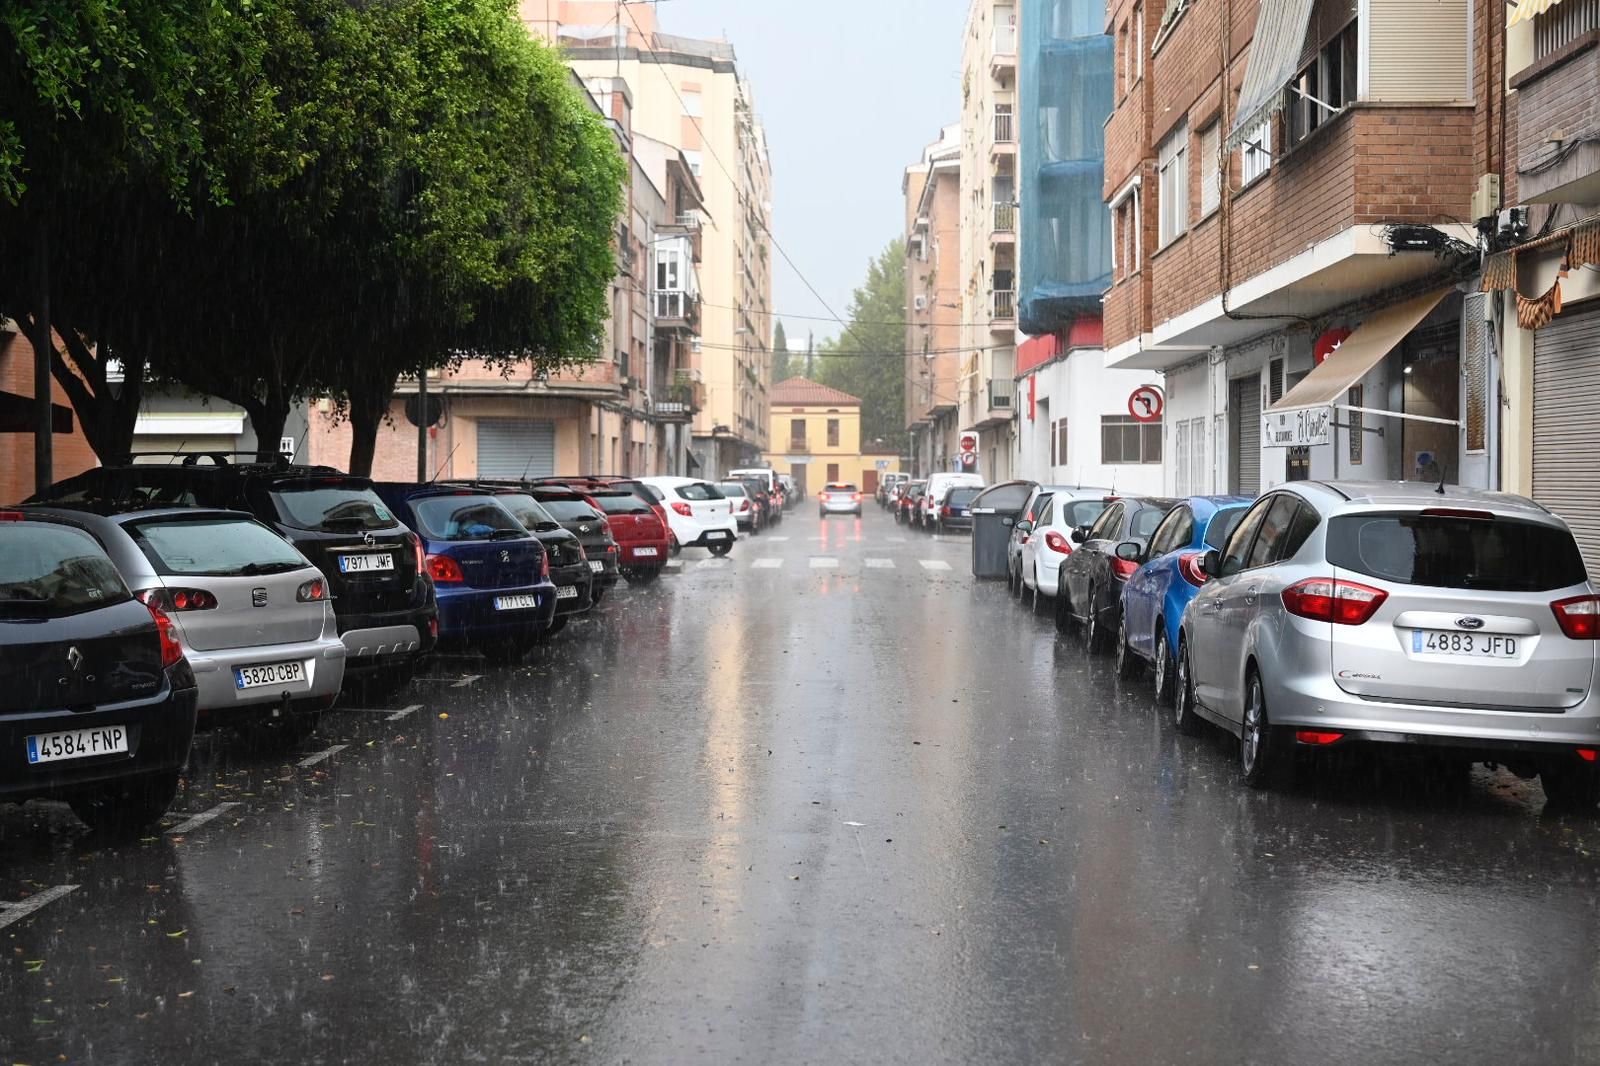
pixel 492 576
pixel 1153 599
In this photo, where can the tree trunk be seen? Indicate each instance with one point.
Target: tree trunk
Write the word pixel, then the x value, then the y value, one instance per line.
pixel 267 418
pixel 369 403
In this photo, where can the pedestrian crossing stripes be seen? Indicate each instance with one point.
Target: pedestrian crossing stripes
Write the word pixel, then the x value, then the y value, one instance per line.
pixel 815 562
pixel 934 564
pixel 824 562
pixel 880 564
pixel 775 540
pixel 766 564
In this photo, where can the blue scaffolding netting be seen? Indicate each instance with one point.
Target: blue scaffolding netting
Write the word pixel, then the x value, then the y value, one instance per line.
pixel 1065 79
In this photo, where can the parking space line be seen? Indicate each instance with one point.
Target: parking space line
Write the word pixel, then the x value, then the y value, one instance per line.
pixel 674 564
pixel 201 819
pixel 15 912
pixel 824 562
pixel 714 564
pixel 766 564
pixel 312 760
pixel 880 564
pixel 403 712
pixel 466 681
pixel 775 540
pixel 934 564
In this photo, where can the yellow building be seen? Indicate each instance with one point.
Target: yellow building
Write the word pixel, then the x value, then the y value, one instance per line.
pixel 821 427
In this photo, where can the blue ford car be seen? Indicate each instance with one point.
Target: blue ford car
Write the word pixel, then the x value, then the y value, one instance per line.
pixel 1153 599
pixel 491 575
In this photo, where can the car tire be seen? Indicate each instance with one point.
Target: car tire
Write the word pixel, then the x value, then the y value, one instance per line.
pixel 1184 717
pixel 1573 788
pixel 1161 670
pixel 1127 658
pixel 676 547
pixel 1063 611
pixel 642 575
pixel 719 548
pixel 127 807
pixel 1264 761
pixel 1094 637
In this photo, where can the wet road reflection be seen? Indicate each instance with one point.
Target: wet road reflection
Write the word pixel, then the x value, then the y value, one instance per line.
pixel 792 813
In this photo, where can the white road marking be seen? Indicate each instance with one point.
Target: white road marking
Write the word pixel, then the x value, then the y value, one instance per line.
pixel 880 564
pixel 766 564
pixel 403 712
pixel 201 819
pixel 15 912
pixel 824 562
pixel 775 540
pixel 675 564
pixel 468 680
pixel 312 760
pixel 934 564
pixel 714 564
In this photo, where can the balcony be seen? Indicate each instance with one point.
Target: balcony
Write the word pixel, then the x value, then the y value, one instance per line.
pixel 799 446
pixel 1556 93
pixel 1005 224
pixel 1004 130
pixel 1003 50
pixel 677 312
pixel 1003 309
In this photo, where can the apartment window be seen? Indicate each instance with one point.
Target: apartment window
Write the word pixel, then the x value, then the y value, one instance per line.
pixel 1127 244
pixel 1058 443
pixel 691 102
pixel 1125 441
pixel 797 430
pixel 668 267
pixel 1191 457
pixel 1124 61
pixel 1210 171
pixel 694 160
pixel 1138 41
pixel 833 472
pixel 1322 88
pixel 1255 158
pixel 833 432
pixel 1172 168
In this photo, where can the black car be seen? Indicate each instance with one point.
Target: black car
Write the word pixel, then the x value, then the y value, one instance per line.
pixel 955 510
pixel 1106 555
pixel 767 507
pixel 382 598
pixel 98 705
pixel 569 565
pixel 578 516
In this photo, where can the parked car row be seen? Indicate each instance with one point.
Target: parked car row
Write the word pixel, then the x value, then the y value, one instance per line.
pixel 1335 615
pixel 141 602
pixel 939 503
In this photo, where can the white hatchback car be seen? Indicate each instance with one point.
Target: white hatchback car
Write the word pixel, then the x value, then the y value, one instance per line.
pixel 1048 539
pixel 699 514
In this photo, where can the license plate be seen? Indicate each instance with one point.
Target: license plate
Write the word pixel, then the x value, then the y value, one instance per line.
pixel 597 566
pixel 77 744
pixel 365 563
pixel 717 534
pixel 567 592
pixel 1465 645
pixel 640 553
pixel 522 602
pixel 269 674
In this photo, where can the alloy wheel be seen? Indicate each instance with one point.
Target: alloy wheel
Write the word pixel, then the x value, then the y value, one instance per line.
pixel 1163 653
pixel 1250 736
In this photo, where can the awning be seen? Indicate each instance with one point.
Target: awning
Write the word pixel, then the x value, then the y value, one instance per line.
pixel 1360 352
pixel 1274 56
pixel 1526 9
pixel 16 415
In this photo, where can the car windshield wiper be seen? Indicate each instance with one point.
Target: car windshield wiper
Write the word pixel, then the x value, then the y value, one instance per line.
pixel 507 534
pixel 257 569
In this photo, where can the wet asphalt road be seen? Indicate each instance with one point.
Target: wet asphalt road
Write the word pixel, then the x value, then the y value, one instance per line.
pixel 825 801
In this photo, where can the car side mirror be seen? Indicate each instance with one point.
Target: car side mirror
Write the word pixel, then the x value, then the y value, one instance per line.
pixel 1079 535
pixel 1007 520
pixel 1024 526
pixel 1211 563
pixel 1130 551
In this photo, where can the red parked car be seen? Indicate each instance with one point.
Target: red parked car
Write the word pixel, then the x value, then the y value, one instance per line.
pixel 638 522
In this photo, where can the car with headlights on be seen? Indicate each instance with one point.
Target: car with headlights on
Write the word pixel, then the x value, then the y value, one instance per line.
pixel 839 497
pixel 98 704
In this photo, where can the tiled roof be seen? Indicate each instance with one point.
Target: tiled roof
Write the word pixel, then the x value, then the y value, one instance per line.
pixel 803 392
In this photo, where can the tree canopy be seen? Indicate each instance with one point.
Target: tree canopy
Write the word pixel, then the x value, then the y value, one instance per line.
pixel 868 358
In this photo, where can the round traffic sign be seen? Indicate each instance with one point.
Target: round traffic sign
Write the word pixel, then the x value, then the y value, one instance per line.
pixel 1146 403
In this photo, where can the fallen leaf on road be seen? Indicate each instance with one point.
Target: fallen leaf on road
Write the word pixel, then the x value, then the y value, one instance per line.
pixel 180 932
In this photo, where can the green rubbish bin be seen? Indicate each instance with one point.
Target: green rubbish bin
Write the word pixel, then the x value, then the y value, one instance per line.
pixel 994 512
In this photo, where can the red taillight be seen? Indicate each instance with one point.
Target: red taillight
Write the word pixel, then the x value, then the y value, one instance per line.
pixel 945 511
pixel 171 650
pixel 745 505
pixel 1579 617
pixel 856 497
pixel 1588 754
pixel 422 558
pixel 683 509
pixel 313 591
pixel 1326 599
pixel 169 599
pixel 1123 568
pixel 1312 736
pixel 11 516
pixel 1189 567
pixel 544 565
pixel 444 570
pixel 1057 543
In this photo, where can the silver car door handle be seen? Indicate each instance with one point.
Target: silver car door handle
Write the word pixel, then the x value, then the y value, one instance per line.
pixel 1250 595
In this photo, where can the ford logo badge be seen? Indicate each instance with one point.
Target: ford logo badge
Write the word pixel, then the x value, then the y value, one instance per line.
pixel 1469 623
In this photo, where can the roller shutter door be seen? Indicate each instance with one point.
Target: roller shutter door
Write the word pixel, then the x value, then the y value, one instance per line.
pixel 1566 415
pixel 516 447
pixel 1244 435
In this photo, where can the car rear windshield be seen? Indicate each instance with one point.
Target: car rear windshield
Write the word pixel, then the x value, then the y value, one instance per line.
pixel 1221 525
pixel 527 510
pixel 622 503
pixel 1082 512
pixel 732 488
pixel 962 497
pixel 840 486
pixel 569 509
pixel 331 507
pixel 1493 555
pixel 700 491
pixel 215 547
pixel 465 518
pixel 649 492
pixel 49 571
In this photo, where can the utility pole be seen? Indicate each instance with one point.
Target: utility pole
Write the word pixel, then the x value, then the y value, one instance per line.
pixel 43 420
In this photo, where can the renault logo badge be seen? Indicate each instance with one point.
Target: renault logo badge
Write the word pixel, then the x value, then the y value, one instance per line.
pixel 75 658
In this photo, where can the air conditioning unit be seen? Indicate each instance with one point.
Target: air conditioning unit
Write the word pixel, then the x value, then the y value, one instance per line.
pixel 919 302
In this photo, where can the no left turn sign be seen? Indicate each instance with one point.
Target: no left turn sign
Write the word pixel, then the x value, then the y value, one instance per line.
pixel 1146 404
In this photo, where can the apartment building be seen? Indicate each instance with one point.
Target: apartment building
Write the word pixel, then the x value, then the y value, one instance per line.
pixel 1542 280
pixel 820 428
pixel 935 332
pixel 689 93
pixel 988 253
pixel 1284 180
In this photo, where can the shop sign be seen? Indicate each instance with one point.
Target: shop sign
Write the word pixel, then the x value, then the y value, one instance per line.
pixel 1297 428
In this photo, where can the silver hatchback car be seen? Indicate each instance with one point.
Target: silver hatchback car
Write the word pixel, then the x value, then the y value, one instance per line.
pixel 1344 612
pixel 252 614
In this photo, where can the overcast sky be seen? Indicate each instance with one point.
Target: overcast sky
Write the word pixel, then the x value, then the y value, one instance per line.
pixel 850 91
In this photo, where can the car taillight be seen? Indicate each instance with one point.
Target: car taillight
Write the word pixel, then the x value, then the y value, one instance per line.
pixel 170 599
pixel 313 591
pixel 1057 543
pixel 171 650
pixel 422 557
pixel 1317 737
pixel 1579 617
pixel 1326 599
pixel 1189 567
pixel 444 570
pixel 683 509
pixel 544 565
pixel 744 505
pixel 945 510
pixel 855 497
pixel 1123 568
pixel 11 516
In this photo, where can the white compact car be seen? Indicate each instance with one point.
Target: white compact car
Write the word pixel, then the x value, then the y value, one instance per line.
pixel 700 515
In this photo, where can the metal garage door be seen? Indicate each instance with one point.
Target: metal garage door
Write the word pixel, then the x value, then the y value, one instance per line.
pixel 1244 435
pixel 516 447
pixel 1566 395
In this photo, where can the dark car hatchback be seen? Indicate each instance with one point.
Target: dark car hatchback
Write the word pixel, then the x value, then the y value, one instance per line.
pixel 581 518
pixel 382 599
pixel 98 708
pixel 569 565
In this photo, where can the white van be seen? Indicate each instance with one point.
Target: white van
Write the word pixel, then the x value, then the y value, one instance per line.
pixel 765 473
pixel 938 485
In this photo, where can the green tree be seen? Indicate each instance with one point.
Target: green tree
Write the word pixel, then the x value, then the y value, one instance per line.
pixel 868 358
pixel 780 354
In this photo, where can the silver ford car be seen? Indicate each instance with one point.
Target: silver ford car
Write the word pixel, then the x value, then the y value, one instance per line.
pixel 1347 612
pixel 252 615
